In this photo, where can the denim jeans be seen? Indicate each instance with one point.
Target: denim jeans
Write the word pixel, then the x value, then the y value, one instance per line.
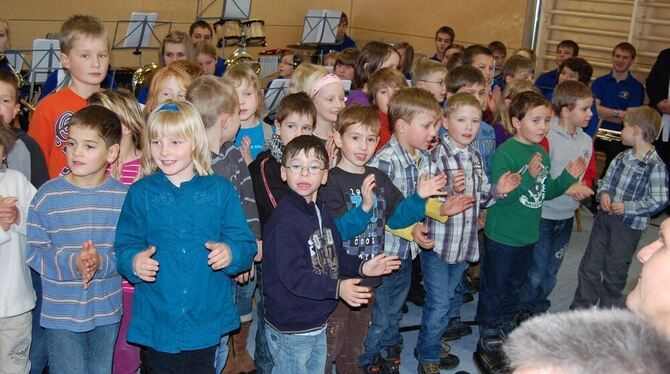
pixel 262 356
pixel 503 269
pixel 548 255
pixel 384 330
pixel 82 352
pixel 39 354
pixel 296 353
pixel 440 281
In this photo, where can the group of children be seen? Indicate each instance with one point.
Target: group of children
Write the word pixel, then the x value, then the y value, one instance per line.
pixel 159 224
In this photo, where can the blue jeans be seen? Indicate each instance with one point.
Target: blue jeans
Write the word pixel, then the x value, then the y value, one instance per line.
pixel 548 256
pixel 503 269
pixel 296 354
pixel 262 356
pixel 384 330
pixel 82 352
pixel 39 354
pixel 440 280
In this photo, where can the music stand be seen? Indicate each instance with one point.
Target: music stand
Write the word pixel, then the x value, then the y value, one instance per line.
pixel 230 9
pixel 140 33
pixel 275 93
pixel 320 26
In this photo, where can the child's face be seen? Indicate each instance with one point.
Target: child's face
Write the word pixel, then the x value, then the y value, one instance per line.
pixel 207 63
pixel 391 61
pixel 173 90
pixel 534 125
pixel 345 72
pixel 286 66
pixel 621 61
pixel 4 36
pixel 329 102
pixel 384 95
pixel 173 52
pixel 304 174
pixel 442 41
pixel 248 97
pixel 485 64
pixel 499 57
pixel 419 132
pixel 463 125
pixel 201 33
pixel 8 105
pixel 563 53
pixel 172 154
pixel 87 60
pixel 629 134
pixel 357 146
pixel 87 154
pixel 476 90
pixel 568 75
pixel 581 114
pixel 434 83
pixel 447 55
pixel 521 74
pixel 294 125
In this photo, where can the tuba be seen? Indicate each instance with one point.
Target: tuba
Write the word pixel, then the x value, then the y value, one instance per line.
pixel 241 55
pixel 140 76
pixel 608 135
pixel 20 82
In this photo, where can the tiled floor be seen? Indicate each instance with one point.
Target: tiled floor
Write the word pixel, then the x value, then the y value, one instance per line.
pixel 560 298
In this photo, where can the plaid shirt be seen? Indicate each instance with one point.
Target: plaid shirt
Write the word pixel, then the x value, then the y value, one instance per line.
pixel 642 185
pixel 456 240
pixel 403 170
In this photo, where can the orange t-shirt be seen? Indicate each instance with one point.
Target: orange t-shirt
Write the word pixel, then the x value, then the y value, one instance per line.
pixel 49 126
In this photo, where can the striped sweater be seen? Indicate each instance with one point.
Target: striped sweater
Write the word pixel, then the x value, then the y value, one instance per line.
pixel 61 218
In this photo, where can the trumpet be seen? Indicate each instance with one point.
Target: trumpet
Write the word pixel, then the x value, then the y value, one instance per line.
pixel 608 135
pixel 241 55
pixel 20 82
pixel 141 75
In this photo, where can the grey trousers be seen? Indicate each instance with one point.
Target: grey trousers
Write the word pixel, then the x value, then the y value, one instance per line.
pixel 604 268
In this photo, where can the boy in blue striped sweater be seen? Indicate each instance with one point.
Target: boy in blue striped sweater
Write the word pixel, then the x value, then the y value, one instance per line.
pixel 71 228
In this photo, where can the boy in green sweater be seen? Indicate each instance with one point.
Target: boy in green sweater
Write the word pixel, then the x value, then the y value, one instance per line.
pixel 513 224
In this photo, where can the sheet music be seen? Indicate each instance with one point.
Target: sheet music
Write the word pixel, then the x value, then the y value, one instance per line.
pixel 46 58
pixel 137 29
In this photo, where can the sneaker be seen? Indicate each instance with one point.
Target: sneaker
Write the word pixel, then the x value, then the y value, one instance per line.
pixel 447 360
pixel 456 329
pixel 523 315
pixel 489 358
pixel 428 369
pixel 375 366
pixel 392 361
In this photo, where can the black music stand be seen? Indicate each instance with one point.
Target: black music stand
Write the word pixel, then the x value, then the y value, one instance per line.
pixel 275 93
pixel 230 9
pixel 140 33
pixel 320 26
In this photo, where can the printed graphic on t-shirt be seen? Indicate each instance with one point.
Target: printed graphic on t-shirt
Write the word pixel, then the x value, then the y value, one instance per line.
pixel 535 195
pixel 322 251
pixel 62 129
pixel 370 242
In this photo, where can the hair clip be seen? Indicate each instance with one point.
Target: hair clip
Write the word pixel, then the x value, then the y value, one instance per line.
pixel 169 107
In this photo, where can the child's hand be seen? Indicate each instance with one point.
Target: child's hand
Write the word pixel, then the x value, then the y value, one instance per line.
pixel 458 182
pixel 9 213
pixel 420 233
pixel 259 252
pixel 88 262
pixel 481 220
pixel 577 167
pixel 605 202
pixel 353 294
pixel 617 208
pixel 508 182
pixel 456 204
pixel 367 192
pixel 144 266
pixel 494 99
pixel 331 148
pixel 579 191
pixel 220 255
pixel 535 165
pixel 244 278
pixel 246 151
pixel 431 187
pixel 380 264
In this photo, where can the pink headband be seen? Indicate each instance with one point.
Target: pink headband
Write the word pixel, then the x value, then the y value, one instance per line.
pixel 324 81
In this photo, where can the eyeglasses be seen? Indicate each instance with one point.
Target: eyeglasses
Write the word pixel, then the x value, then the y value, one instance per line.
pixel 311 169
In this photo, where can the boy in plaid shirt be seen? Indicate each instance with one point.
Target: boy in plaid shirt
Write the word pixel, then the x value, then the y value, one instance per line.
pixel 635 186
pixel 456 241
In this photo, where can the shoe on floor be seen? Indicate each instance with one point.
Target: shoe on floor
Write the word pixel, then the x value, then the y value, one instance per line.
pixel 375 366
pixel 428 369
pixel 490 361
pixel 447 360
pixel 456 329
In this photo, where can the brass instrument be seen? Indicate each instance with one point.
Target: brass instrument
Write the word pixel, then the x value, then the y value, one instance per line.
pixel 20 82
pixel 608 135
pixel 140 76
pixel 241 55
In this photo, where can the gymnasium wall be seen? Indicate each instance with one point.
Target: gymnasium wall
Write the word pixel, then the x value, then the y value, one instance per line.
pixel 414 21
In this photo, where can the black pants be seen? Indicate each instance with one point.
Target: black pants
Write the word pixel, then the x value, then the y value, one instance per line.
pixel 200 361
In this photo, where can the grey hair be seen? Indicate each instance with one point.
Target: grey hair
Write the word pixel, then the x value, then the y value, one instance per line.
pixel 590 341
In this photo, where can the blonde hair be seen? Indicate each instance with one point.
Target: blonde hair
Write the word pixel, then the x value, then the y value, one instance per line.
pixel 460 100
pixel 159 80
pixel 410 102
pixel 425 67
pixel 206 48
pixel 511 90
pixel 647 119
pixel 176 37
pixel 178 119
pixel 244 73
pixel 193 69
pixel 304 77
pixel 124 104
pixel 529 52
pixel 80 25
pixel 383 78
pixel 566 95
pixel 357 115
pixel 212 96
